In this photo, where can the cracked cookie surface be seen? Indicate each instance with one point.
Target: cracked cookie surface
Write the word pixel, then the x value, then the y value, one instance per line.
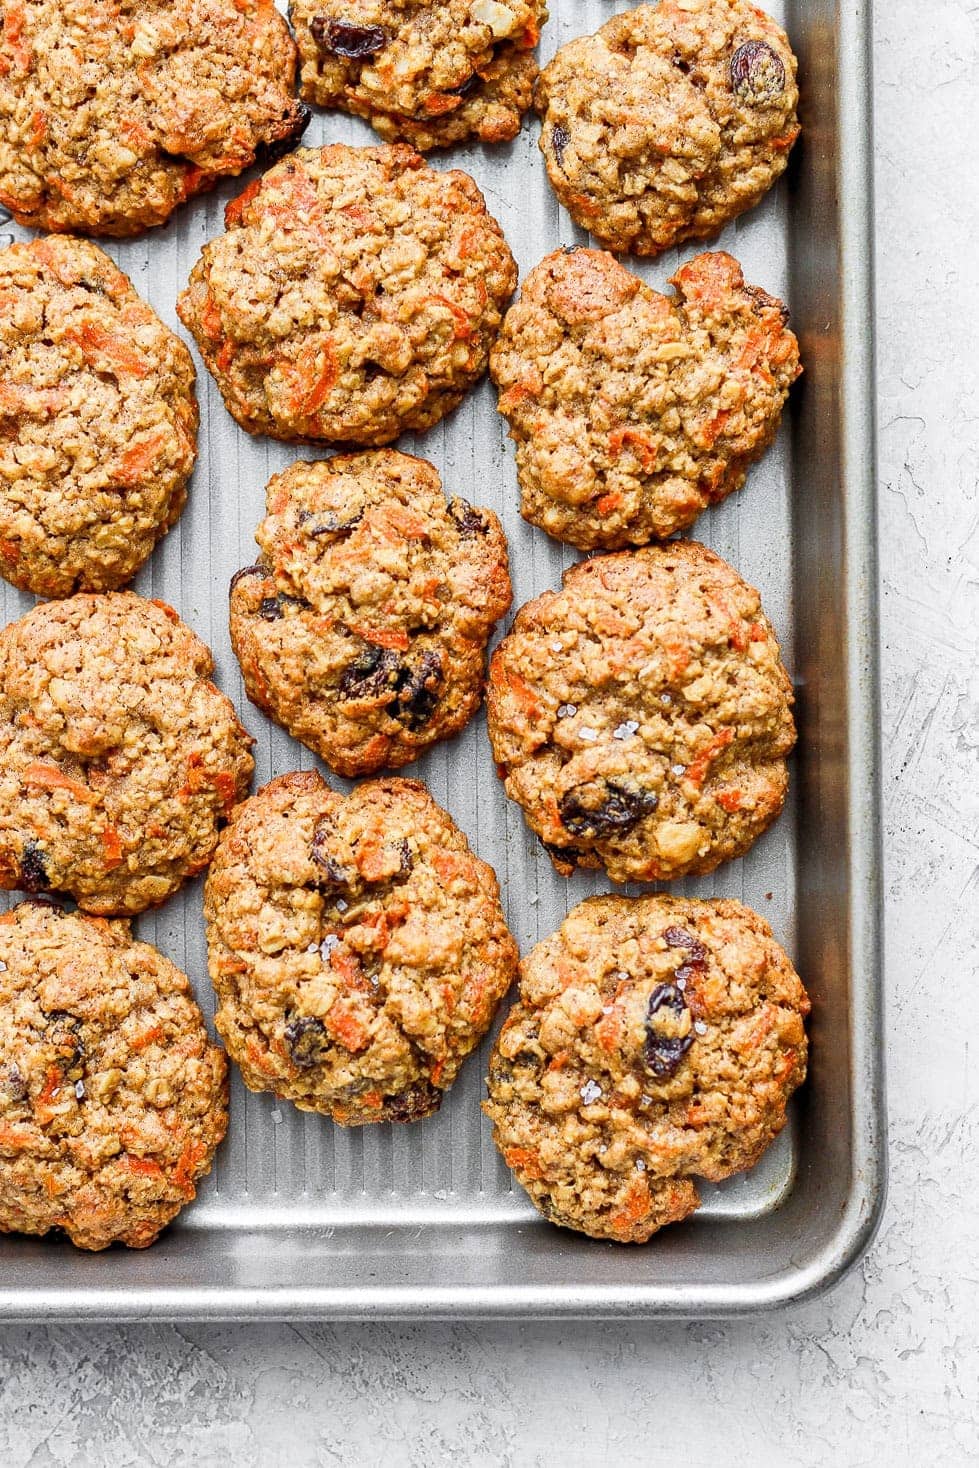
pixel 119 759
pixel 631 411
pixel 655 1040
pixel 98 420
pixel 112 1098
pixel 669 121
pixel 422 73
pixel 357 946
pixel 354 296
pixel 113 114
pixel 641 716
pixel 364 628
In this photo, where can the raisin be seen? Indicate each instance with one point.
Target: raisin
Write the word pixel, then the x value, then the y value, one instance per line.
pixel 372 673
pixel 14 1086
pixel 757 72
pixel 767 302
pixel 464 88
pixel 471 522
pixel 270 609
pixel 563 857
pixel 413 1103
pixel 604 807
pixel 664 1052
pixel 306 1040
pixel 560 138
pixel 334 878
pixel 344 38
pixel 407 862
pixel 34 869
pixel 681 938
pixel 268 153
pixel 331 524
pixel 418 691
pixel 247 571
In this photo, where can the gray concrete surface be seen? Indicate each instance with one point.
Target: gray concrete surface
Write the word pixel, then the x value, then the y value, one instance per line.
pixel 883 1370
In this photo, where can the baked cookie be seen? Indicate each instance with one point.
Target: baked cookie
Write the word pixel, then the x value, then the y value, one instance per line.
pixel 364 629
pixel 112 1098
pixel 641 715
pixel 632 411
pixel 424 73
pixel 355 295
pixel 119 759
pixel 357 947
pixel 668 122
pixel 655 1040
pixel 112 115
pixel 98 420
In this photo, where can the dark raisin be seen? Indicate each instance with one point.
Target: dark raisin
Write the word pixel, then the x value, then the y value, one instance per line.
pixel 334 878
pixel 767 302
pixel 247 571
pixel 471 522
pixel 413 1103
pixel 306 1040
pixel 604 807
pixel 372 673
pixel 34 869
pixel 270 609
pixel 662 1051
pixel 269 153
pixel 418 691
pixel 757 72
pixel 407 862
pixel 560 138
pixel 464 88
pixel 681 65
pixel 344 38
pixel 565 858
pixel 331 524
pixel 681 938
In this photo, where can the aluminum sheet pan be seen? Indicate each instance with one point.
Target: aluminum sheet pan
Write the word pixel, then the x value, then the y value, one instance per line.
pixel 301 1219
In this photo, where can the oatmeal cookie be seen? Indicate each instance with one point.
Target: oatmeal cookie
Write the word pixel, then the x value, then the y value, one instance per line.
pixel 641 715
pixel 668 122
pixel 364 629
pixel 422 73
pixel 632 412
pixel 112 115
pixel 112 1098
pixel 655 1040
pixel 355 295
pixel 98 420
pixel 119 759
pixel 357 947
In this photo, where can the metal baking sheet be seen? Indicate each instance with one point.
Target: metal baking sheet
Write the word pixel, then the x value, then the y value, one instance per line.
pixel 301 1219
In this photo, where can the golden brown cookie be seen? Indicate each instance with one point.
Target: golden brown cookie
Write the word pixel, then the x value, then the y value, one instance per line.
pixel 424 73
pixel 364 628
pixel 632 411
pixel 119 759
pixel 641 715
pixel 655 1040
pixel 98 420
pixel 355 295
pixel 668 122
pixel 357 946
pixel 113 114
pixel 112 1098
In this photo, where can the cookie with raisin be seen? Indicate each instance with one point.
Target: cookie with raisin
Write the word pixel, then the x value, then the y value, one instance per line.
pixel 357 946
pixel 422 73
pixel 655 1041
pixel 363 630
pixel 633 411
pixel 113 1099
pixel 642 716
pixel 119 759
pixel 669 121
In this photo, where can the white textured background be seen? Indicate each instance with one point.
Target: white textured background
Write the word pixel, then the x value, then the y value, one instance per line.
pixel 884 1370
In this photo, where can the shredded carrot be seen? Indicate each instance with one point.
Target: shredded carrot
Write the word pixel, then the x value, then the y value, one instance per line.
pixel 140 457
pixel 225 788
pixel 143 1166
pixel 697 769
pixel 395 638
pixel 183 1174
pixel 49 777
pixel 402 521
pixel 53 1082
pixel 559 1061
pixel 729 800
pixel 637 439
pixel 344 1025
pixel 10 551
pixel 635 1207
pixel 463 328
pixel 14 42
pixel 236 208
pixel 99 345
pixel 437 1071
pixel 155 1032
pixel 607 503
pixel 436 103
pixel 314 374
pixel 111 847
pixel 449 865
pixel 372 862
pixel 39 129
pixel 714 427
pixel 525 1159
